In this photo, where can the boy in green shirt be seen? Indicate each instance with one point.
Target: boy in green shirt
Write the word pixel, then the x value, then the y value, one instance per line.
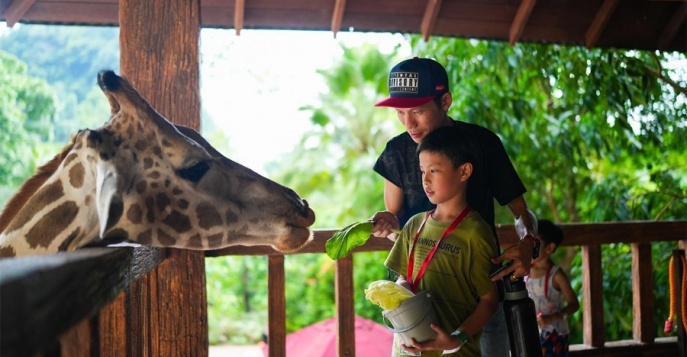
pixel 448 251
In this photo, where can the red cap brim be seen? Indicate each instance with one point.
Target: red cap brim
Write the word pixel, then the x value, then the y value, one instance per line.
pixel 398 102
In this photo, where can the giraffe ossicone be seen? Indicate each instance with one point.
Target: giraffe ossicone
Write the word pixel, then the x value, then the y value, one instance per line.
pixel 139 178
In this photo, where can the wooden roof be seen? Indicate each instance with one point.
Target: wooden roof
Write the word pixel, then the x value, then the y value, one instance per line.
pixel 638 24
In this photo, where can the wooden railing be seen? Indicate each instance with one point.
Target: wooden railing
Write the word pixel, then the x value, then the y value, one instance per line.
pixel 47 303
pixel 590 237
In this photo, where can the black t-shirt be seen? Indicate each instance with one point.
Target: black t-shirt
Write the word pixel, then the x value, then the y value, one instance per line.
pixel 493 177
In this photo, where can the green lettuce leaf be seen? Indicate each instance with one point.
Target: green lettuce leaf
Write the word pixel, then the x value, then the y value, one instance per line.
pixel 343 241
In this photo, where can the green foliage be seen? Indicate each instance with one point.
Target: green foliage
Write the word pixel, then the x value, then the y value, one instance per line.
pixel 27 106
pixel 346 239
pixel 69 58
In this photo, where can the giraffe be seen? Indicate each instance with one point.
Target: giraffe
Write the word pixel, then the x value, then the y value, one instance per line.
pixel 141 179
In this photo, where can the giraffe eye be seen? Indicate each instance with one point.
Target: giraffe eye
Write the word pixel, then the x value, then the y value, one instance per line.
pixel 195 172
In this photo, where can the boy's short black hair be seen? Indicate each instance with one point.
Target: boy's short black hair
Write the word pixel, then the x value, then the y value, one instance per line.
pixel 549 232
pixel 451 142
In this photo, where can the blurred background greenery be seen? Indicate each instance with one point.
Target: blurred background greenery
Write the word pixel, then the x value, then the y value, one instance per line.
pixel 596 135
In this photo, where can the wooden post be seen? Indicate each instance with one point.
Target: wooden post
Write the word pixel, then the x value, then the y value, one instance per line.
pixel 166 311
pixel 276 337
pixel 643 327
pixel 592 296
pixel 345 312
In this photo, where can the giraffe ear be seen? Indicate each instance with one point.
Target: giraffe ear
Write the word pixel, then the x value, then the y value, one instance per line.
pixel 108 198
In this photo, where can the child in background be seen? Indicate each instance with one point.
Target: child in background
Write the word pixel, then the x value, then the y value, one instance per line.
pixel 554 298
pixel 448 251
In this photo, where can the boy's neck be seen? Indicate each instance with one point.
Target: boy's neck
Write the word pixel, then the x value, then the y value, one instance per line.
pixel 540 267
pixel 447 211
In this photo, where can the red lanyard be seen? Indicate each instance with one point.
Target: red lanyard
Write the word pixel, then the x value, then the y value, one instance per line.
pixel 411 260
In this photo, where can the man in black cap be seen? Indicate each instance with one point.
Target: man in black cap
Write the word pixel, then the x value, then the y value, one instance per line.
pixel 419 92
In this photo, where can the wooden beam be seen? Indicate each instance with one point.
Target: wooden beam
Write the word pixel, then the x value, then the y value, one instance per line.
pixel 276 309
pixel 520 21
pixel 592 297
pixel 643 328
pixel 599 23
pixel 239 9
pixel 16 11
pixel 430 18
pixel 676 23
pixel 169 306
pixel 337 16
pixel 345 312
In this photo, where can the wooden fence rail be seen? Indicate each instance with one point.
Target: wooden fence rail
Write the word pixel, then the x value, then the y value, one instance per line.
pixel 48 303
pixel 588 236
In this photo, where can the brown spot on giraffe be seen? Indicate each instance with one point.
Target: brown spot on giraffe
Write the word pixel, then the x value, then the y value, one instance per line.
pixel 141 186
pixel 195 242
pixel 52 224
pixel 162 201
pixel 67 242
pixel 145 237
pixel 178 221
pixel 215 240
pixel 135 214
pixel 76 175
pixel 68 160
pixel 165 239
pixel 48 194
pixel 208 216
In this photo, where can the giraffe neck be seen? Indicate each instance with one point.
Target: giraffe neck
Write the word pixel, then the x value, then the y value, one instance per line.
pixel 54 209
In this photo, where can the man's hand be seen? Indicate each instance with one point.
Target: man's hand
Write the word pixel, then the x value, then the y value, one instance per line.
pixel 386 225
pixel 444 341
pixel 521 257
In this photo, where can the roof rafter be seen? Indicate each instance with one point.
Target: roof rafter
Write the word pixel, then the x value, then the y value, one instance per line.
pixel 599 24
pixel 17 10
pixel 239 8
pixel 337 15
pixel 520 20
pixel 429 18
pixel 672 28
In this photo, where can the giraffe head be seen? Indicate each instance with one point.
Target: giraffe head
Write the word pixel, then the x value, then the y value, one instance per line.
pixel 139 178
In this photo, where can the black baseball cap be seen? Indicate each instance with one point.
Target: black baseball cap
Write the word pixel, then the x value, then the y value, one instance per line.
pixel 414 82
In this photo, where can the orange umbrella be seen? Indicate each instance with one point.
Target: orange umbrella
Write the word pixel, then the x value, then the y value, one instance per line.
pixel 319 340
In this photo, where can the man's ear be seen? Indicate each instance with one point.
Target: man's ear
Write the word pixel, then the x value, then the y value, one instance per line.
pixel 465 171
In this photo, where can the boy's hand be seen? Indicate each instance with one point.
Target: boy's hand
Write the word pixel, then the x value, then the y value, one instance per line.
pixel 386 225
pixel 521 256
pixel 444 341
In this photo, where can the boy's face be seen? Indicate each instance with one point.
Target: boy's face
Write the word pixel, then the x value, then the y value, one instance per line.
pixel 422 120
pixel 441 181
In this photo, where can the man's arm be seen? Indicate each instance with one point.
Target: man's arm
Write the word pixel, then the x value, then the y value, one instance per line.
pixel 387 220
pixel 521 253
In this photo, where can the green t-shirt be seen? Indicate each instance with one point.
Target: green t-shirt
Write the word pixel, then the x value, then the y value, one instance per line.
pixel 458 273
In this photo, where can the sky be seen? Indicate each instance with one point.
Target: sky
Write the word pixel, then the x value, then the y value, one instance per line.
pixel 253 85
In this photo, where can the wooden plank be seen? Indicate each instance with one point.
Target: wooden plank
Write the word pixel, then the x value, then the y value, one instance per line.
pixel 276 309
pixel 673 26
pixel 345 313
pixel 576 234
pixel 16 11
pixel 643 327
pixel 520 21
pixel 663 347
pixel 596 28
pixel 592 296
pixel 238 16
pixel 337 15
pixel 38 299
pixel 167 310
pixel 429 18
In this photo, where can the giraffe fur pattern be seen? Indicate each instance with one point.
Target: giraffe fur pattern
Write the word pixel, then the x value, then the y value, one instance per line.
pixel 141 179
